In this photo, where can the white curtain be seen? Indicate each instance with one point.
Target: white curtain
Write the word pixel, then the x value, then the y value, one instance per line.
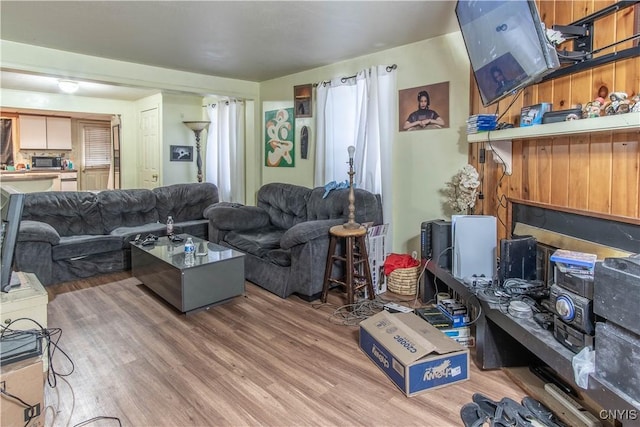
pixel 224 160
pixel 358 111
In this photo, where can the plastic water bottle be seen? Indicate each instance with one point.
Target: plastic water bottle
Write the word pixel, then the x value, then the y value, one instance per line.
pixel 189 253
pixel 169 225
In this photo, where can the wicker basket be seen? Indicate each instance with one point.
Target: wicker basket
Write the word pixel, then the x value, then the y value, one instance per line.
pixel 404 281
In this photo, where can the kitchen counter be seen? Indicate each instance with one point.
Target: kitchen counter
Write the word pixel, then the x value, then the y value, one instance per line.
pixel 35 172
pixel 23 177
pixel 30 181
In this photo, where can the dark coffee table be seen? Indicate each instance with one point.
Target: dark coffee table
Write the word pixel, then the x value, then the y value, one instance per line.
pixel 216 276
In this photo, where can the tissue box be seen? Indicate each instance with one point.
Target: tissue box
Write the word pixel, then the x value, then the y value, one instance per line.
pixel 532 115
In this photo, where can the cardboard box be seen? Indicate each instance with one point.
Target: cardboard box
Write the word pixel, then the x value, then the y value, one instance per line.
pixel 24 380
pixel 415 355
pixel 532 115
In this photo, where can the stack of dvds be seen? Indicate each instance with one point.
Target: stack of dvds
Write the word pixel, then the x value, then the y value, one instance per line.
pixel 481 122
pixel 575 263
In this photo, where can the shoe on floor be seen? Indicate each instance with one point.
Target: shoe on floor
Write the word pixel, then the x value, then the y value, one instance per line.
pixel 472 415
pixel 506 412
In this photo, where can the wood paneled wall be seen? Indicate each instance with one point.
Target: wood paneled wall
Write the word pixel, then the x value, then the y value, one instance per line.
pixel 597 173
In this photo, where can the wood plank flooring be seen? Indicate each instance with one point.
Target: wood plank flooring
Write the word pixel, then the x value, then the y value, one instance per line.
pixel 256 360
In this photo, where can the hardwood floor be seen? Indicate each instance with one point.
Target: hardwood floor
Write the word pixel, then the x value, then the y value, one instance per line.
pixel 256 360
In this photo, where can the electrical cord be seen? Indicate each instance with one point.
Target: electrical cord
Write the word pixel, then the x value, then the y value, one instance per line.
pixel 51 336
pixel 31 416
pixel 94 419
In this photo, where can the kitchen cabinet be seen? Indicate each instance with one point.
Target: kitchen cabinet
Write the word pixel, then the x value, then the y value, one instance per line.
pixel 69 181
pixel 44 133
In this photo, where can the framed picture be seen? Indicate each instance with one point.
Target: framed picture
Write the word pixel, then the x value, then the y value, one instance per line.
pixel 303 100
pixel 424 107
pixel 279 138
pixel 181 153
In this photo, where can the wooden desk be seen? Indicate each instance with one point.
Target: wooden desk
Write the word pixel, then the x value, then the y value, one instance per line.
pixel 502 340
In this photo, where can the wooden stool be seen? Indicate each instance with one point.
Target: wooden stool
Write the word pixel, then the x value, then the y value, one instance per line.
pixel 356 255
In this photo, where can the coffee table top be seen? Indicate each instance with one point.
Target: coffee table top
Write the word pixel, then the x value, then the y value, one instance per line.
pixel 173 253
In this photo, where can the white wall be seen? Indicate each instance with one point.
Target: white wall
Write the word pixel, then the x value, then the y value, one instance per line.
pixel 83 104
pixel 175 110
pixel 39 60
pixel 424 160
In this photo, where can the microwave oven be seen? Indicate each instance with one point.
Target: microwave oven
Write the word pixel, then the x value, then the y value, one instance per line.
pixel 46 162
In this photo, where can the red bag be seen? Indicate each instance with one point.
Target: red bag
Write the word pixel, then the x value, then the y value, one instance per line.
pixel 394 261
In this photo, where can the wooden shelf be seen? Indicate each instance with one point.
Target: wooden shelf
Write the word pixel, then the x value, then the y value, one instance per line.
pixel 619 123
pixel 500 140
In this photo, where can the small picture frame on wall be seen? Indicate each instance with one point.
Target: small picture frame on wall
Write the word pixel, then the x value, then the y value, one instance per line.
pixel 303 100
pixel 181 153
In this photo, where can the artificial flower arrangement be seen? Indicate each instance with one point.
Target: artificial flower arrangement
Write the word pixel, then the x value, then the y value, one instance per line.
pixel 463 188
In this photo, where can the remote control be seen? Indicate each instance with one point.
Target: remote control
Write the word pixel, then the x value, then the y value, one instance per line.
pixel 392 307
pixel 573 406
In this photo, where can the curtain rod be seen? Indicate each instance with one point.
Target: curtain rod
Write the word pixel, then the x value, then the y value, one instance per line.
pixel 344 79
pixel 213 104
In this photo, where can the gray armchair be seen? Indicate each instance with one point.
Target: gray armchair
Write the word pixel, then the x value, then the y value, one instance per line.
pixel 286 236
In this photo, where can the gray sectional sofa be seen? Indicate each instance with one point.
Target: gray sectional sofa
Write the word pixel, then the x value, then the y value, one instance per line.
pixel 286 236
pixel 77 234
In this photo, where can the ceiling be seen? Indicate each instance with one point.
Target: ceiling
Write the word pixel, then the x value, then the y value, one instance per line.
pixel 246 40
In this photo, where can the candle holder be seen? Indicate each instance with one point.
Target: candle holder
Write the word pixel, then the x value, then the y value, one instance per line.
pixel 351 224
pixel 197 127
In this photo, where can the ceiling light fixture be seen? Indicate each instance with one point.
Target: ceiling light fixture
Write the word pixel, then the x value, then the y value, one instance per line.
pixel 68 86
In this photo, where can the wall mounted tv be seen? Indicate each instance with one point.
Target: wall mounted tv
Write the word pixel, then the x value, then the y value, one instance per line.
pixel 507 46
pixel 11 203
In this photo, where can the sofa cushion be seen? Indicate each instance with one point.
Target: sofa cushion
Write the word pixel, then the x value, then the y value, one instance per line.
pixel 336 205
pixel 184 202
pixel 127 208
pixel 234 216
pixel 36 231
pixel 128 234
pixel 286 204
pixel 255 242
pixel 82 246
pixel 306 231
pixel 69 212
pixel 281 257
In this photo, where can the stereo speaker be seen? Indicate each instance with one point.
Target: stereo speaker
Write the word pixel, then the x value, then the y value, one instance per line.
pixel 441 243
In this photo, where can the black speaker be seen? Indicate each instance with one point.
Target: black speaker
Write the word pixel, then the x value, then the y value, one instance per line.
pixel 426 250
pixel 518 258
pixel 441 243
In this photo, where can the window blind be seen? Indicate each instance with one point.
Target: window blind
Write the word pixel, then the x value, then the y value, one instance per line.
pixel 97 146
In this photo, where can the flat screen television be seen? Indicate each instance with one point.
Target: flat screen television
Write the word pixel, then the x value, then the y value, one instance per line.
pixel 507 45
pixel 11 203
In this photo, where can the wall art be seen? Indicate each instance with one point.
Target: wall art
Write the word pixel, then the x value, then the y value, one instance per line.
pixel 279 136
pixel 181 153
pixel 424 107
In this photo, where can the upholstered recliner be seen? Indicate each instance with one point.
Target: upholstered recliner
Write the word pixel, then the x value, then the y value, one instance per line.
pixel 286 236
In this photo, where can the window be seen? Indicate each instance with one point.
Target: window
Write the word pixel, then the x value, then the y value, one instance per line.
pixel 97 146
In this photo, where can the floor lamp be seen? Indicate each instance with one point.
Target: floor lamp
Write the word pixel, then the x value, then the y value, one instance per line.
pixel 197 127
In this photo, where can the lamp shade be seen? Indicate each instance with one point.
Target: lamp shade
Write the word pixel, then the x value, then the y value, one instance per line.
pixel 197 126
